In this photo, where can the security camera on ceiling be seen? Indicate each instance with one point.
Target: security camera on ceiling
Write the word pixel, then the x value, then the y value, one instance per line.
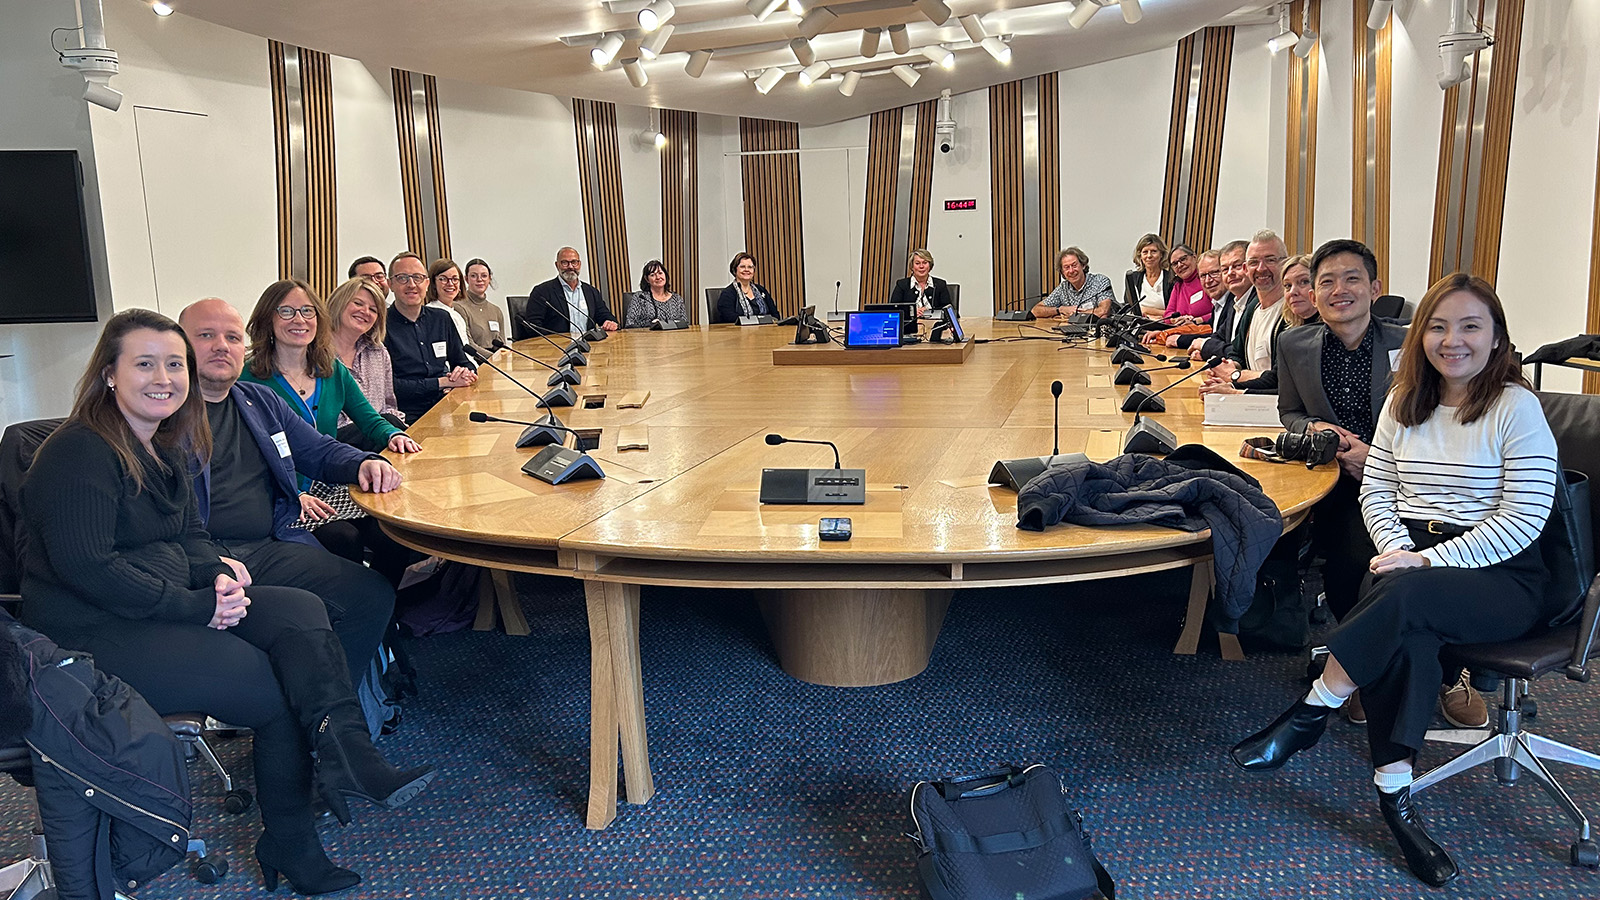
pixel 1458 46
pixel 944 124
pixel 94 60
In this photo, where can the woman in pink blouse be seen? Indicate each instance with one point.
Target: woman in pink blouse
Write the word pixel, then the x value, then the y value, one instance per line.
pixel 356 311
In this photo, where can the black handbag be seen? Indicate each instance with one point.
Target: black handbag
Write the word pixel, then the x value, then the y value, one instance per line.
pixel 1002 835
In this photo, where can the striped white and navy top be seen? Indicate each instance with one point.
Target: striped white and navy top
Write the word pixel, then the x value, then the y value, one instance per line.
pixel 1496 476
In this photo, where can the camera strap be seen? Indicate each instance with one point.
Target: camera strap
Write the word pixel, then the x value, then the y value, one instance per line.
pixel 1262 448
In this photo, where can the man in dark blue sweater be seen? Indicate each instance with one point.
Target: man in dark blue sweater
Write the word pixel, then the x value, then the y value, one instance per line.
pixel 424 347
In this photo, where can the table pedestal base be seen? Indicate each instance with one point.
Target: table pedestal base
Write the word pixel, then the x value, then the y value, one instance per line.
pixel 854 638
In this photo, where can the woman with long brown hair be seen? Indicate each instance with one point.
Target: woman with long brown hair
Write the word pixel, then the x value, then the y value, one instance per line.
pixel 1458 485
pixel 117 563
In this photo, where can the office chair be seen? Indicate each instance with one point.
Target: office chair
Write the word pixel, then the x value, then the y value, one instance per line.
pixel 1393 307
pixel 18 444
pixel 1510 667
pixel 711 306
pixel 518 307
pixel 955 296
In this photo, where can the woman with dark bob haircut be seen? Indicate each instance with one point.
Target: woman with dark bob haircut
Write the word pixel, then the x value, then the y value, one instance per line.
pixel 655 301
pixel 744 297
pixel 1457 488
pixel 117 563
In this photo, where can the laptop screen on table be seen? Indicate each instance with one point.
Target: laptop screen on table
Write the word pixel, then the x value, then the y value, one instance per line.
pixel 872 329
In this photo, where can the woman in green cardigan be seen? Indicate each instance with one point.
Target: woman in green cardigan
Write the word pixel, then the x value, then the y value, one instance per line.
pixel 291 351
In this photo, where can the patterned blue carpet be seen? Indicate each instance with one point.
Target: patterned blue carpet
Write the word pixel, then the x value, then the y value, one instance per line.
pixel 768 787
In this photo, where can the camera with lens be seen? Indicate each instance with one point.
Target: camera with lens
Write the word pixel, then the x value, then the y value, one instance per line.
pixel 1313 447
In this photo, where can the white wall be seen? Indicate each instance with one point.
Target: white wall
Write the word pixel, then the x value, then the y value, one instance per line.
pixel 641 189
pixel 1335 127
pixel 721 200
pixel 511 181
pixel 1252 141
pixel 42 108
pixel 372 210
pixel 1414 157
pixel 833 195
pixel 962 241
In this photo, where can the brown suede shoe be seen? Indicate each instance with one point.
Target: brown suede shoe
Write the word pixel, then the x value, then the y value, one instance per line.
pixel 1354 711
pixel 1462 705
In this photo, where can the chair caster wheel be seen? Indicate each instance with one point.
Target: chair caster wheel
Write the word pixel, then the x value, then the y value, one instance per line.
pixel 210 870
pixel 1530 708
pixel 237 801
pixel 1586 854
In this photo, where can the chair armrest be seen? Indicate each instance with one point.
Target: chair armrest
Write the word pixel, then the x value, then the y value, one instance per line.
pixel 1583 645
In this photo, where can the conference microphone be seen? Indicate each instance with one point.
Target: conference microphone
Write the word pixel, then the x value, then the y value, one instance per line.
pixel 836 315
pixel 1055 391
pixel 595 332
pixel 560 396
pixel 573 343
pixel 1014 473
pixel 1130 373
pixel 559 376
pixel 1021 312
pixel 812 486
pixel 774 440
pixel 554 463
pixel 545 431
pixel 1151 437
pixel 1120 354
pixel 571 355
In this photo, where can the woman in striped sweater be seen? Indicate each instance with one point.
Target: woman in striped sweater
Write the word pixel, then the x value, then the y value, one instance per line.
pixel 1457 489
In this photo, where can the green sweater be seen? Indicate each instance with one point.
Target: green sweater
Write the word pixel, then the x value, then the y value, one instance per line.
pixel 334 395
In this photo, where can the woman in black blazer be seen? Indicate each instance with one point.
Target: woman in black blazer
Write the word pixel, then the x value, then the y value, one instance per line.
pixel 1149 266
pixel 920 288
pixel 744 297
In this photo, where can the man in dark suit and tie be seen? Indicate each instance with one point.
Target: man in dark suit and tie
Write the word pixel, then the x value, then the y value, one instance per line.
pixel 566 305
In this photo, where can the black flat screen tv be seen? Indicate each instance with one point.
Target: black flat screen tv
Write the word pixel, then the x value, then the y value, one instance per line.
pixel 44 239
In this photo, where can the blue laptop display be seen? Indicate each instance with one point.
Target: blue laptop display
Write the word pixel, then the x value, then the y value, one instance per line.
pixel 872 329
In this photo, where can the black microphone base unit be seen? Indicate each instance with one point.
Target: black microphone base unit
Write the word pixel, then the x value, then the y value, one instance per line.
pixel 1141 399
pixel 837 315
pixel 758 320
pixel 1012 474
pixel 668 325
pixel 578 344
pixel 1122 340
pixel 1150 437
pixel 596 334
pixel 814 487
pixel 540 433
pixel 1130 374
pixel 557 465
pixel 1073 331
pixel 573 358
pixel 1126 354
pixel 1013 315
pixel 564 376
pixel 561 396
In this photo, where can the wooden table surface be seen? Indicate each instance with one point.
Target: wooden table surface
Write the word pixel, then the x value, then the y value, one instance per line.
pixel 685 510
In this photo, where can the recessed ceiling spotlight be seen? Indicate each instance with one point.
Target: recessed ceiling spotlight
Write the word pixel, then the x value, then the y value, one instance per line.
pixel 940 57
pixel 696 66
pixel 635 72
pixel 847 84
pixel 870 39
pixel 651 47
pixel 936 10
pixel 606 50
pixel 899 40
pixel 768 79
pixel 814 73
pixel 907 74
pixel 801 48
pixel 656 14
pixel 797 7
pixel 762 8
pixel 161 9
pixel 997 48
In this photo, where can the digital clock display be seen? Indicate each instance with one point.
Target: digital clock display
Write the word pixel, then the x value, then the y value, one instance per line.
pixel 960 204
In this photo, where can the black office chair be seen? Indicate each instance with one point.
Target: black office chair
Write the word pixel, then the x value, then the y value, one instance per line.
pixel 18 444
pixel 1393 307
pixel 711 306
pixel 1510 667
pixel 955 296
pixel 518 307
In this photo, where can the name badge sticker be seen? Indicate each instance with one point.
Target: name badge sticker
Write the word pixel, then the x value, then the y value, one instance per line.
pixel 494 326
pixel 282 443
pixel 439 349
pixel 1394 360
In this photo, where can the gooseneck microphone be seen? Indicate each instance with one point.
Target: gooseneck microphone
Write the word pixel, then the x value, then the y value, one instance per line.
pixel 595 332
pixel 533 428
pixel 564 375
pixel 561 396
pixel 573 343
pixel 1055 391
pixel 1150 437
pixel 774 440
pixel 571 355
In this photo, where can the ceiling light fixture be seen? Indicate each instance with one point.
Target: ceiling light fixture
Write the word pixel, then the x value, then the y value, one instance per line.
pixel 847 84
pixel 651 47
pixel 1082 13
pixel 1132 12
pixel 696 66
pixel 801 48
pixel 899 40
pixel 816 21
pixel 656 14
pixel 939 56
pixel 607 50
pixel 1285 37
pixel 997 48
pixel 762 8
pixel 1379 15
pixel 768 79
pixel 635 72
pixel 936 10
pixel 814 73
pixel 907 74
pixel 870 39
pixel 161 9
pixel 973 26
pixel 797 7
pixel 1302 48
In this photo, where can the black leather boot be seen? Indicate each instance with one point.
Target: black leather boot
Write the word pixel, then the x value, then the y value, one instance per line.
pixel 300 859
pixel 311 667
pixel 1428 860
pixel 289 844
pixel 1300 727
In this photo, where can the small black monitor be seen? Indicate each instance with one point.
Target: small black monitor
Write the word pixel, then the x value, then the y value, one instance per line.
pixel 43 231
pixel 872 330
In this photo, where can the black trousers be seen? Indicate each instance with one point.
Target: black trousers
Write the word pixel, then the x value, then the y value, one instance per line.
pixel 1390 643
pixel 359 601
pixel 181 668
pixel 352 538
pixel 1340 537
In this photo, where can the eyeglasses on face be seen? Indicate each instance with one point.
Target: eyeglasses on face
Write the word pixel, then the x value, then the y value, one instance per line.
pixel 408 279
pixel 286 313
pixel 449 279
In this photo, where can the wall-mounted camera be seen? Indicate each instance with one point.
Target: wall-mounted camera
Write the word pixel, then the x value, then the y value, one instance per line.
pixel 94 60
pixel 944 124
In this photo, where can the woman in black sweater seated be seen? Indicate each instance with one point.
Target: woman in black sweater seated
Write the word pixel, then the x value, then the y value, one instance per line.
pixel 115 562
pixel 920 288
pixel 744 297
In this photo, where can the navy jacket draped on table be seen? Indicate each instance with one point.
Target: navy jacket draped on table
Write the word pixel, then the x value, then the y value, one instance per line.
pixel 547 306
pixel 1192 489
pixel 304 448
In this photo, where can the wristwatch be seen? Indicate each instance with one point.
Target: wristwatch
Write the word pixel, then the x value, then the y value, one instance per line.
pixel 1234 377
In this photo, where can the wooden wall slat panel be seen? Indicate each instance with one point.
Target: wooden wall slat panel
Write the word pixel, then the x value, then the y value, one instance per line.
pixel 1385 146
pixel 1175 131
pixel 680 203
pixel 922 176
pixel 1049 237
pixel 430 88
pixel 772 212
pixel 1300 203
pixel 1005 189
pixel 1210 115
pixel 322 267
pixel 280 145
pixel 1497 140
pixel 1377 76
pixel 1443 185
pixel 877 226
pixel 410 182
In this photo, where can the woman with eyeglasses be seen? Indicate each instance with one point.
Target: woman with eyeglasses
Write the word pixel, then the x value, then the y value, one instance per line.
pixel 485 323
pixel 655 300
pixel 292 352
pixel 744 297
pixel 444 287
pixel 118 564
pixel 1299 308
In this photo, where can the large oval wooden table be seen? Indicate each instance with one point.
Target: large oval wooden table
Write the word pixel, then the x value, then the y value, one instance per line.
pixel 685 512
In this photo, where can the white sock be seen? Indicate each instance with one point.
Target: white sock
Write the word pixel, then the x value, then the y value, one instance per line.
pixel 1391 782
pixel 1321 696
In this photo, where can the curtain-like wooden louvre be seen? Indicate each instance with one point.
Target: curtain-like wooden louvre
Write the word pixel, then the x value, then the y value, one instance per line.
pixel 877 226
pixel 1373 70
pixel 302 120
pixel 1005 189
pixel 430 86
pixel 1049 239
pixel 680 207
pixel 922 174
pixel 772 217
pixel 1194 144
pixel 605 224
pixel 1300 177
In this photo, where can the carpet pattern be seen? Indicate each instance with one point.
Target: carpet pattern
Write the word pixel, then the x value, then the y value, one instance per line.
pixel 771 788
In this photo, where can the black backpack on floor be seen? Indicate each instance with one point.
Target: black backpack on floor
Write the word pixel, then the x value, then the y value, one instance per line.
pixel 1001 835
